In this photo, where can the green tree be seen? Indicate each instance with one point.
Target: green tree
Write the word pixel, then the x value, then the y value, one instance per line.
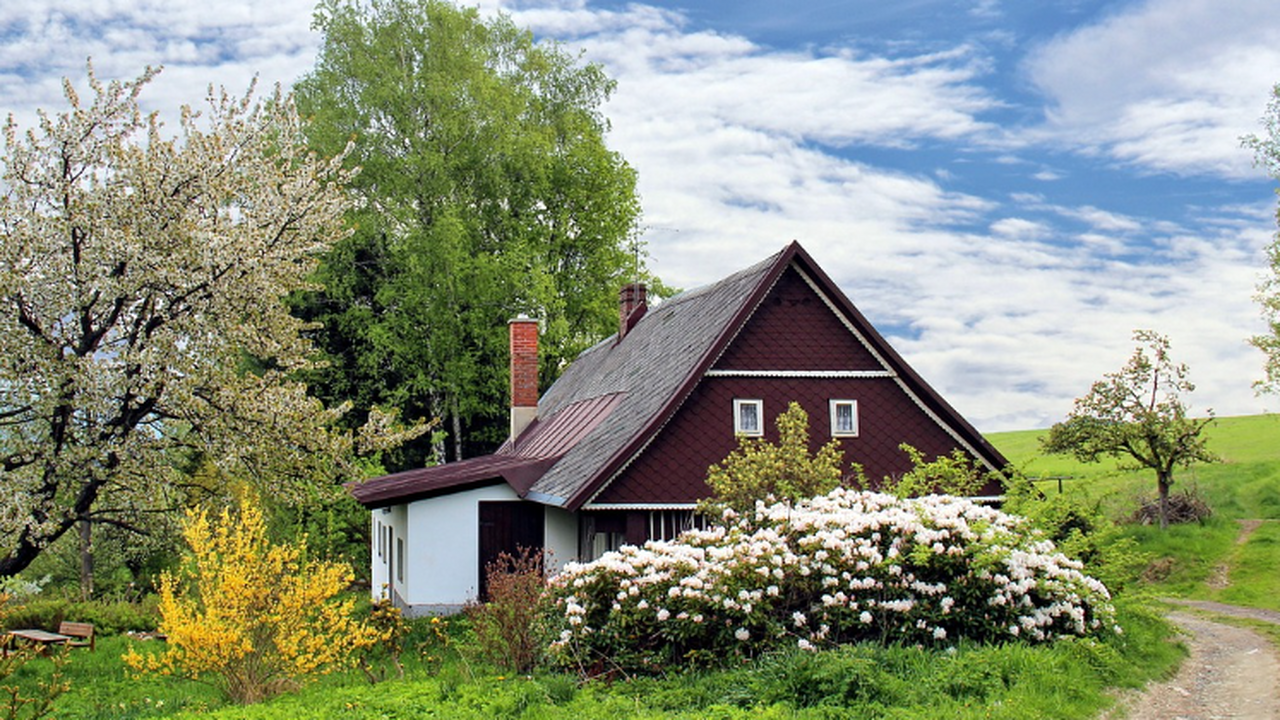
pixel 1139 416
pixel 787 470
pixel 141 313
pixel 487 191
pixel 1266 150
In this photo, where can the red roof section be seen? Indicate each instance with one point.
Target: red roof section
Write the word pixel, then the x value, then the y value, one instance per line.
pixel 519 464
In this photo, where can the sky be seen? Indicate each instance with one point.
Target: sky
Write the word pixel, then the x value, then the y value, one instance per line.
pixel 1007 189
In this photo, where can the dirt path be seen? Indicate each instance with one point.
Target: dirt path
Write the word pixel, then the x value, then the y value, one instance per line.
pixel 1232 672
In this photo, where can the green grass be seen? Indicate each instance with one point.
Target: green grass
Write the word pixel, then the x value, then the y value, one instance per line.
pixel 1253 576
pixel 1245 485
pixel 1062 680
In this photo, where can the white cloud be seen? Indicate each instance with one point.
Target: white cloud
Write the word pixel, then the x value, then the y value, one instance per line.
pixel 1166 85
pixel 1009 303
pixel 198 43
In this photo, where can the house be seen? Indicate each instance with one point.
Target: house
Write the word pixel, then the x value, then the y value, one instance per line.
pixel 616 451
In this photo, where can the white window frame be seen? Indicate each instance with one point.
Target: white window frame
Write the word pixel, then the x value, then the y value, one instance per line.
pixel 738 405
pixel 833 407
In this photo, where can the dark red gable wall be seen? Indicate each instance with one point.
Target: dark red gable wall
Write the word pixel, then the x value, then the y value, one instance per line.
pixel 793 330
pixel 674 467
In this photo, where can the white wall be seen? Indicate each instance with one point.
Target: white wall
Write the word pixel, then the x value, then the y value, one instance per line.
pixel 561 538
pixel 442 547
pixel 392 523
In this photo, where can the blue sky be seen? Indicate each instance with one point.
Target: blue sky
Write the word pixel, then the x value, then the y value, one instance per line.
pixel 1007 189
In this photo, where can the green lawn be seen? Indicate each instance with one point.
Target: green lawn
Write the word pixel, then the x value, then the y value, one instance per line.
pixel 1244 486
pixel 1064 680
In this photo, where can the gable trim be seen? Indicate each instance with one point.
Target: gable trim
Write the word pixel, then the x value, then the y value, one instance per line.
pixel 641 506
pixel 951 429
pixel 630 452
pixel 837 374
pixel 946 427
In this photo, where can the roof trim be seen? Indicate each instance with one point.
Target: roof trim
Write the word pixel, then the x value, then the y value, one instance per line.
pixel 840 374
pixel 895 366
pixel 630 450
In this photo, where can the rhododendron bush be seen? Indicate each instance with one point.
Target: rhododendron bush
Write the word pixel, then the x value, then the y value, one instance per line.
pixel 843 567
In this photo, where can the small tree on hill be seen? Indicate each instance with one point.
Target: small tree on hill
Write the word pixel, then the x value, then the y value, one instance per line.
pixel 251 617
pixel 759 470
pixel 1138 416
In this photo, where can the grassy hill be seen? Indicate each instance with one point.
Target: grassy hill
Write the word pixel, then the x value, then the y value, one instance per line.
pixel 1228 558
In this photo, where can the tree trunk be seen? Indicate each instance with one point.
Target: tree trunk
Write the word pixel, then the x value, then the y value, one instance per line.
pixel 457 435
pixel 27 549
pixel 1164 481
pixel 438 447
pixel 86 560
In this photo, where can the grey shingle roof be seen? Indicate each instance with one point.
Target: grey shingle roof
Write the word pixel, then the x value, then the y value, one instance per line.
pixel 615 397
pixel 651 365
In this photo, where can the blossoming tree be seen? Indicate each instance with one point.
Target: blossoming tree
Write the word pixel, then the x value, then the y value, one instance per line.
pixel 1139 416
pixel 141 279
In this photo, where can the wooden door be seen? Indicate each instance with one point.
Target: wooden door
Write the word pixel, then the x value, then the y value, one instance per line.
pixel 507 526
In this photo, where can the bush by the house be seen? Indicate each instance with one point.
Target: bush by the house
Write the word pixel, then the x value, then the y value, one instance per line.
pixel 252 617
pixel 509 628
pixel 843 567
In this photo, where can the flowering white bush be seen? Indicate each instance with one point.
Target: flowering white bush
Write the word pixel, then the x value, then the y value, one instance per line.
pixel 843 567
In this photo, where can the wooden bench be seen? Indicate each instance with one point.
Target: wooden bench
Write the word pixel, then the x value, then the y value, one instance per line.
pixel 83 631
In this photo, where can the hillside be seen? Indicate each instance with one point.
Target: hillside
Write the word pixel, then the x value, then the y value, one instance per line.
pixel 1232 556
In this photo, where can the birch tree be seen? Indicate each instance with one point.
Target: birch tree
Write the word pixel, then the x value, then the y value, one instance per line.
pixel 141 313
pixel 488 191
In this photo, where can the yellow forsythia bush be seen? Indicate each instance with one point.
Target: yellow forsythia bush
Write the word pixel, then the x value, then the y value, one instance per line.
pixel 252 617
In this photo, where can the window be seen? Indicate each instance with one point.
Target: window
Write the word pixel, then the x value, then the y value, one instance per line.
pixel 400 559
pixel 844 418
pixel 748 417
pixel 668 524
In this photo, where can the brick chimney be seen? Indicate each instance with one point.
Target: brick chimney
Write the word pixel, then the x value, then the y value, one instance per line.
pixel 524 373
pixel 631 307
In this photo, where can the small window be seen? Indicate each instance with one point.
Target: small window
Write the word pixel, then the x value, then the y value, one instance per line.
pixel 382 542
pixel 748 417
pixel 400 559
pixel 844 418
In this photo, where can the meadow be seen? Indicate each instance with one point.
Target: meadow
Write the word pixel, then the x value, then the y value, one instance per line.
pixel 1223 558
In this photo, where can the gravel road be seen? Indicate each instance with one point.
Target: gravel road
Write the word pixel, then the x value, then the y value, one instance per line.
pixel 1232 672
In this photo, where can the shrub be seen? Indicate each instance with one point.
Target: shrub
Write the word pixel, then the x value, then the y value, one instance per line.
pixel 17 703
pixel 388 624
pixel 787 470
pixel 108 618
pixel 843 567
pixel 509 628
pixel 954 474
pixel 251 617
pixel 1079 527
